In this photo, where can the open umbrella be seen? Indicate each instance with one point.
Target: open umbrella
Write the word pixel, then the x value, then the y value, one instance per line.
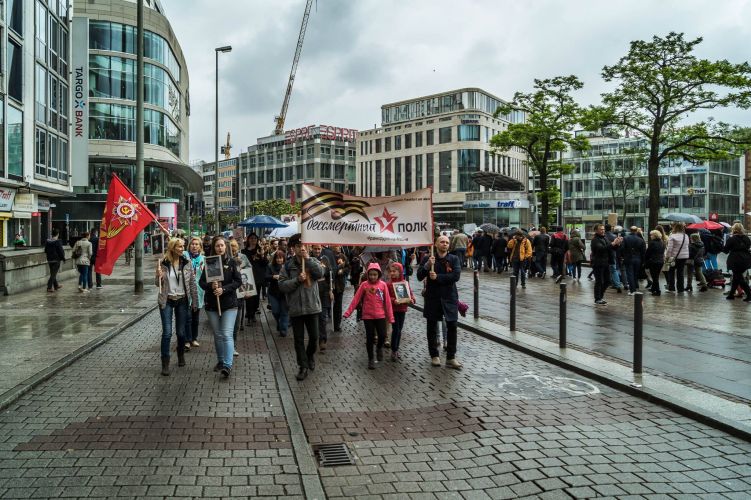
pixel 490 228
pixel 262 221
pixel 707 224
pixel 685 218
pixel 286 232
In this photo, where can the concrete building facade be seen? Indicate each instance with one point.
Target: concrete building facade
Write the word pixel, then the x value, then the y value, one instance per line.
pixel 440 141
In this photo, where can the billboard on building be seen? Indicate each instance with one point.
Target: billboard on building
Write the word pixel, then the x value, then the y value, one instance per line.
pixel 80 102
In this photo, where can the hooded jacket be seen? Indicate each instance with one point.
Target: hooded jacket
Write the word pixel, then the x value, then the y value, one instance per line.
pixel 376 302
pixel 392 294
pixel 54 250
pixel 301 298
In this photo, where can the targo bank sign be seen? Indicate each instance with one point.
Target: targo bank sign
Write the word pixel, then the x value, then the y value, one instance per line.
pixel 326 132
pixel 80 119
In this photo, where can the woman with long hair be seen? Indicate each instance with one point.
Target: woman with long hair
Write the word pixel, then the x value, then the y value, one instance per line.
pixel 194 254
pixel 242 263
pixel 277 299
pixel 676 252
pixel 654 258
pixel 177 289
pixel 739 259
pixel 221 305
pixel 254 252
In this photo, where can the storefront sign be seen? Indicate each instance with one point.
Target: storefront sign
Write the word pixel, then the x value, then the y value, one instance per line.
pixel 325 132
pixel 496 204
pixel 80 102
pixel 7 196
pixel 693 191
pixel 26 202
pixel 44 205
pixel 696 170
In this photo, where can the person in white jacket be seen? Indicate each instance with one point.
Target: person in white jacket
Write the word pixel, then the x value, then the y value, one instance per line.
pixel 676 253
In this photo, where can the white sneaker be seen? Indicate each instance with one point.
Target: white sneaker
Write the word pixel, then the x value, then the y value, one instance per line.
pixel 435 361
pixel 453 363
pixel 236 353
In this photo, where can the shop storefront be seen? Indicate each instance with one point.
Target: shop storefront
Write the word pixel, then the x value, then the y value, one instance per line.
pixel 502 208
pixel 7 196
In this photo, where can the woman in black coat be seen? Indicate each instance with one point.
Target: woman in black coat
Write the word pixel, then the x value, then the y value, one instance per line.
pixel 739 259
pixel 654 259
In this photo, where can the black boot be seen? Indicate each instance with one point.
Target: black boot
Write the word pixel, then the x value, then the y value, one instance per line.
pixel 165 366
pixel 180 358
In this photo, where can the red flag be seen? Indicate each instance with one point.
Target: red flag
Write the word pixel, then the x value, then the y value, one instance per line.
pixel 124 217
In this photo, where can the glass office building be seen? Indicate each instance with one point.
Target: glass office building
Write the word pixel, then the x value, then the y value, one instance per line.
pixel 104 74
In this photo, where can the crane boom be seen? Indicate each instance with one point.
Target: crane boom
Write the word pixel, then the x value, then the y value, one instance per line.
pixel 279 129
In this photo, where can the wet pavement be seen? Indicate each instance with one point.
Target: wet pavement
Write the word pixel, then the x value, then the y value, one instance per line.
pixel 698 339
pixel 506 426
pixel 39 329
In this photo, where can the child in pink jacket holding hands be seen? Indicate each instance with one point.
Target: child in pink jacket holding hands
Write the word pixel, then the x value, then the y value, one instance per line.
pixel 376 310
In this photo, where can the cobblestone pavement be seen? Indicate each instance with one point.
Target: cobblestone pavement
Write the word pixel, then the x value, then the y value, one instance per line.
pixel 698 339
pixel 506 426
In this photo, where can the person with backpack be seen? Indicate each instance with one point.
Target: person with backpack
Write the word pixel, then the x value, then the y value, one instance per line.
pixel 739 259
pixel 53 249
pixel 82 254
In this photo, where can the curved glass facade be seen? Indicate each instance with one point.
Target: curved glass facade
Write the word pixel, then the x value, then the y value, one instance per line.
pixel 118 123
pixel 115 77
pixel 105 35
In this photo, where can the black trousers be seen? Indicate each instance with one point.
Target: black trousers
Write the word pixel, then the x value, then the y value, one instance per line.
pixel 299 325
pixel 737 282
pixel 556 262
pixel 54 269
pixel 450 338
pixel 601 273
pixel 654 272
pixel 338 310
pixel 676 274
pixel 251 306
pixel 374 327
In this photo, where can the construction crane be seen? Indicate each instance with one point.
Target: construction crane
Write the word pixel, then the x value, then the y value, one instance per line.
pixel 279 129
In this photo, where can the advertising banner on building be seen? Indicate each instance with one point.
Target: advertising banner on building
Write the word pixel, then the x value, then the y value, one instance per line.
pixel 329 217
pixel 79 135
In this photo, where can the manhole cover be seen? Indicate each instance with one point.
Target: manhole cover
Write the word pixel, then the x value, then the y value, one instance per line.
pixel 331 455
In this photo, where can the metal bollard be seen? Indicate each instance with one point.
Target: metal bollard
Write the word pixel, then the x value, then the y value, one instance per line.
pixel 638 330
pixel 512 305
pixel 562 317
pixel 477 294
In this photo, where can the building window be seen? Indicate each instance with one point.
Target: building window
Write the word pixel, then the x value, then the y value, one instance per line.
pixel 444 135
pixel 387 188
pixel 14 15
pixel 290 153
pixel 298 172
pixel 444 176
pixel 407 141
pixel 397 176
pixel 339 172
pixel 397 142
pixel 288 173
pixel 429 137
pixel 52 156
pixel 62 167
pixel 325 171
pixel 280 174
pixel 377 145
pixel 15 70
pixel 468 162
pixel 430 170
pixel 418 139
pixel 40 95
pixel 310 171
pixel 468 132
pixel 418 171
pixel 15 142
pixel 2 137
pixel 261 176
pixel 310 151
pixel 378 178
pixel 407 174
pixel 40 148
pixel 387 144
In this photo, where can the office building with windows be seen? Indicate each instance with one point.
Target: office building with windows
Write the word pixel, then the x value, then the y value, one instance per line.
pixel 34 117
pixel 443 141
pixel 278 165
pixel 103 126
pixel 711 190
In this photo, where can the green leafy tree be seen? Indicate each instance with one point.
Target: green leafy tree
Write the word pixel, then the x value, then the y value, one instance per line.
pixel 620 175
pixel 551 115
pixel 275 208
pixel 660 83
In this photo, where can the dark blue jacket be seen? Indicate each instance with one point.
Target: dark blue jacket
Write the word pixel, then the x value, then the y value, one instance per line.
pixel 633 247
pixel 441 294
pixel 54 250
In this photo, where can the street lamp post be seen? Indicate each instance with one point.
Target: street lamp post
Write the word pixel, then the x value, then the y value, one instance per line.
pixel 226 48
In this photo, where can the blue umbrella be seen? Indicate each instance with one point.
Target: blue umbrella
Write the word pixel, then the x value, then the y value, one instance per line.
pixel 263 221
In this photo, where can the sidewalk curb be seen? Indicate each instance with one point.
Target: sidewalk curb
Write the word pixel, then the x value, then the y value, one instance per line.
pixel 11 396
pixel 697 413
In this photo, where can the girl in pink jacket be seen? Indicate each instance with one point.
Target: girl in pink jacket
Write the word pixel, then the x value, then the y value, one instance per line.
pixel 376 311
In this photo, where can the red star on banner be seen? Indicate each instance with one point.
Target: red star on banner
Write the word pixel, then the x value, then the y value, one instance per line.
pixel 386 221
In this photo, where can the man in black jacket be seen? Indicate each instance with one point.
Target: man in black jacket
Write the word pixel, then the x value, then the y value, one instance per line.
pixel 633 249
pixel 600 256
pixel 540 245
pixel 55 256
pixel 325 292
pixel 94 248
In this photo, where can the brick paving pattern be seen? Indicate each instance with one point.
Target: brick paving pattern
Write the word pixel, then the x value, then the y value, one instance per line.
pixel 506 426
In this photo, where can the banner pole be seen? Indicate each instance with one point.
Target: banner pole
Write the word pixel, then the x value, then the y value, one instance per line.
pixel 140 191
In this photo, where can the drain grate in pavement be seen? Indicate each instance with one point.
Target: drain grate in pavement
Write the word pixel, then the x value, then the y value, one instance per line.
pixel 331 455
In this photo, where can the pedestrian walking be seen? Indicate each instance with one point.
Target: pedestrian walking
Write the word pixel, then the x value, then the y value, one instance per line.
pixel 614 265
pixel 53 249
pixel 373 295
pixel 558 248
pixel 676 255
pixel 298 282
pixel 520 250
pixel 634 250
pixel 221 309
pixel 242 263
pixel 400 310
pixel 82 254
pixel 325 292
pixel 576 248
pixel 458 246
pixel 92 272
pixel 177 289
pixel 277 299
pixel 340 284
pixel 739 260
pixel 442 271
pixel 194 254
pixel 654 259
pixel 257 259
pixel 695 263
pixel 498 252
pixel 600 254
pixel 540 244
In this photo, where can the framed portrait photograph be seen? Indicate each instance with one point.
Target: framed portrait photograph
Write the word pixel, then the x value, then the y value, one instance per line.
pixel 402 293
pixel 248 288
pixel 214 270
pixel 157 243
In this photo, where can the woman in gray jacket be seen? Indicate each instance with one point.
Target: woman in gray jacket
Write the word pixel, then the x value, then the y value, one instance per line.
pixel 677 254
pixel 82 253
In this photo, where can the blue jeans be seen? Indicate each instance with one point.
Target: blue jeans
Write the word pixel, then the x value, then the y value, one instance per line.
pixel 223 327
pixel 710 261
pixel 281 313
pixel 178 309
pixel 83 276
pixel 633 266
pixel 396 329
pixel 615 276
pixel 517 267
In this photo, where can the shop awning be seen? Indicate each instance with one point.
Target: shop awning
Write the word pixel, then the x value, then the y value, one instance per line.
pixel 497 182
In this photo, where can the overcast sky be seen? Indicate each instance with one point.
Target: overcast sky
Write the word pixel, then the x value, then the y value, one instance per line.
pixel 360 54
